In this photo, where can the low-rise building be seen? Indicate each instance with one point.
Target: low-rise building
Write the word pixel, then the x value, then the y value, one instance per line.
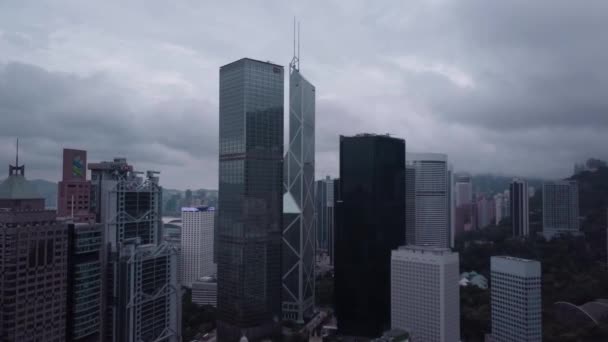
pixel 204 291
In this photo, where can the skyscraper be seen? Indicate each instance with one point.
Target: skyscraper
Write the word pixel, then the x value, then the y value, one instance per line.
pixel 463 190
pixel 433 199
pixel 147 303
pixel 516 299
pixel 486 211
pixel 324 205
pixel 74 190
pixel 499 207
pixel 425 295
pixel 141 285
pixel 371 224
pixel 85 281
pixel 520 215
pixel 410 204
pixel 33 264
pixel 299 235
pixel 560 208
pixel 248 241
pixel 196 253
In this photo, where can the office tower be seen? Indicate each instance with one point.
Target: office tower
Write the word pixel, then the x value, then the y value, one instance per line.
pixel 486 211
pixel 129 206
pixel 433 204
pixel 499 207
pixel 463 190
pixel 196 256
pixel 172 231
pixel 425 295
pixel 410 204
pixel 520 215
pixel 250 202
pixel 516 299
pixel 299 235
pixel 146 302
pixel 324 209
pixel 371 224
pixel 560 208
pixel 451 205
pixel 507 203
pixel 33 264
pixel 85 277
pixel 204 291
pixel 74 190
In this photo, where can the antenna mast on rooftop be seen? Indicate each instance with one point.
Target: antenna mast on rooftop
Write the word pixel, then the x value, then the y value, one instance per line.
pixel 295 61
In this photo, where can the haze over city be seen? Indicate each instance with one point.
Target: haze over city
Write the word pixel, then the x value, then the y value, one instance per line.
pixel 515 88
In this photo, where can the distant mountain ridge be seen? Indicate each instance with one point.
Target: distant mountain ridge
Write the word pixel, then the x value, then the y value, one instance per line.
pixel 48 191
pixel 492 184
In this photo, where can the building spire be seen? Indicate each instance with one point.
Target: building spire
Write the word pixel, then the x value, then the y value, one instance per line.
pixel 295 61
pixel 16 169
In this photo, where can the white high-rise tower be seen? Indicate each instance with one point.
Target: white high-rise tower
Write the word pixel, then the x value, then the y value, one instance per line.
pixel 425 295
pixel 433 200
pixel 196 255
pixel 516 300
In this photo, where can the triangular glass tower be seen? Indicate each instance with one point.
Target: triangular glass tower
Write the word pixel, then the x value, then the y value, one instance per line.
pixel 298 203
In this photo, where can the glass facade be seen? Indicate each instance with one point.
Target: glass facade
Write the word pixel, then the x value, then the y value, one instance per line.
pixel 84 281
pixel 370 224
pixel 250 203
pixel 299 240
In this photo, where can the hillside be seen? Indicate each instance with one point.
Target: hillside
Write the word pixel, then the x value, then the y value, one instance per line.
pixel 491 184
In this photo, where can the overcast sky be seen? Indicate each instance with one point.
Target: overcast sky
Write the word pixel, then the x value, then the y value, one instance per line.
pixel 508 87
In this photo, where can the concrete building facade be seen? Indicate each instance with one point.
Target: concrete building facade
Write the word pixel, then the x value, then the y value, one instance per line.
pixel 560 208
pixel 204 291
pixel 74 190
pixel 433 187
pixel 196 252
pixel 520 212
pixel 33 264
pixel 516 299
pixel 425 293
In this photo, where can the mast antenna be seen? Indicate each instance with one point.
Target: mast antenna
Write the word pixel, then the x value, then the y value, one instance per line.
pixel 17 154
pixel 295 61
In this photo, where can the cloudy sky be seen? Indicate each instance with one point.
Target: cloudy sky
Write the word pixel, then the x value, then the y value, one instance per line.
pixel 509 87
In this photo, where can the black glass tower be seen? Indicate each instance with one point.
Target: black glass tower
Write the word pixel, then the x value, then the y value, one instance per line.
pixel 371 223
pixel 250 203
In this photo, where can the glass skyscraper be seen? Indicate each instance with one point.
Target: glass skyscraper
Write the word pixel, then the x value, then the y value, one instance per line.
pixel 250 203
pixel 299 239
pixel 370 224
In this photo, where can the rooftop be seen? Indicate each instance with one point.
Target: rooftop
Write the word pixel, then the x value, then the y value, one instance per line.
pixel 424 248
pixel 411 156
pixel 195 209
pixel 506 257
pixel 252 60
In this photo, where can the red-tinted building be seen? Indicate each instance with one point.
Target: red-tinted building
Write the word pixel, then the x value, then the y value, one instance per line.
pixel 74 189
pixel 33 264
pixel 464 218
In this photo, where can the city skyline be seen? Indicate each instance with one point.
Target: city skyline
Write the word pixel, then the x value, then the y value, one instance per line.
pixel 164 81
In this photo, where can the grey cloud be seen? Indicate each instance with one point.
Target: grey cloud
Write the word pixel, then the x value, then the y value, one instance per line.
pixel 52 110
pixel 514 87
